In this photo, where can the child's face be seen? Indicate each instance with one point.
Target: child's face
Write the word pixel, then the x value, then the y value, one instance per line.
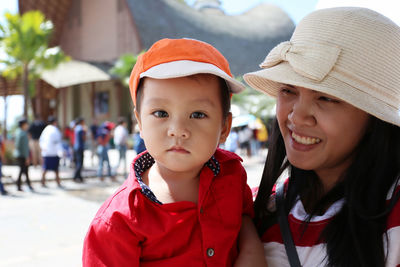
pixel 181 121
pixel 320 131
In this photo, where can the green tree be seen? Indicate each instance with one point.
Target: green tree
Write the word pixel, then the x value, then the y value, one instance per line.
pixel 123 67
pixel 25 40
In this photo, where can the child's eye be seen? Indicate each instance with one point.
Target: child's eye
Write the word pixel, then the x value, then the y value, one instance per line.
pixel 197 115
pixel 160 114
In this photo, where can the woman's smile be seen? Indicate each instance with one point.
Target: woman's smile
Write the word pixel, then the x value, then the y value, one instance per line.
pixel 305 140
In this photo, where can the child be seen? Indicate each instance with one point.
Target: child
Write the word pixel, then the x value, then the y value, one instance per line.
pixel 183 201
pixel 337 129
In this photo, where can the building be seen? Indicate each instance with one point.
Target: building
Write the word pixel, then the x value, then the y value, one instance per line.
pixel 96 32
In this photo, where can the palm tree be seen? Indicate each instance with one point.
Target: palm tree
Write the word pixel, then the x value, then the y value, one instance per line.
pixel 25 40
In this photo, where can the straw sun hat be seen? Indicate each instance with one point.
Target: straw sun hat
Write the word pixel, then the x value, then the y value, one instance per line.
pixel 348 52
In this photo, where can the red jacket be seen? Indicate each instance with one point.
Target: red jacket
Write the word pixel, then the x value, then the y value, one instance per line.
pixel 131 230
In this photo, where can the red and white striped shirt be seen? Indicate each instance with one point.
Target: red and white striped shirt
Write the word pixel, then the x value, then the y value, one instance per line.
pixel 312 250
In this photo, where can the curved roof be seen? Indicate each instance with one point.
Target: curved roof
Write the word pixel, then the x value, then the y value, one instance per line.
pixel 244 39
pixel 70 73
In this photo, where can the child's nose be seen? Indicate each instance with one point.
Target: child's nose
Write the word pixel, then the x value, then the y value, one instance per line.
pixel 178 129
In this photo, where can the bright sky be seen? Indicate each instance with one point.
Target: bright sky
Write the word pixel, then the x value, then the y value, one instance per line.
pixel 295 10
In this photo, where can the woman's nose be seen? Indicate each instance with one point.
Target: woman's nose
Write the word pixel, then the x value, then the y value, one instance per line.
pixel 302 113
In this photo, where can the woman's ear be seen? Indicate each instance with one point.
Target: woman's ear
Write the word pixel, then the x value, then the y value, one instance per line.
pixel 226 128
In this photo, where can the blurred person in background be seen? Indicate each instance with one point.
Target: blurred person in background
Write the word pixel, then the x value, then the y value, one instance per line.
pixel 138 142
pixel 103 139
pixel 51 145
pixel 79 147
pixel 67 157
pixel 232 142
pixel 35 130
pixel 69 136
pixel 120 140
pixel 245 135
pixel 21 152
pixel 2 149
pixel 262 135
pixel 93 141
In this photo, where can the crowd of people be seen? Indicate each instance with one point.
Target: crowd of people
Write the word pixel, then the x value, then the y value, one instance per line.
pixel 45 144
pixel 247 140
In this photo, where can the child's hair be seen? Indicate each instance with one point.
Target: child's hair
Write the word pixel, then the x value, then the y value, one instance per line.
pixel 354 236
pixel 225 95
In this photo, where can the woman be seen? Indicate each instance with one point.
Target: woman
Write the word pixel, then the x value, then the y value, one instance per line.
pixel 337 84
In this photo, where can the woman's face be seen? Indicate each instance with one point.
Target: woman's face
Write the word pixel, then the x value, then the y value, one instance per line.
pixel 320 132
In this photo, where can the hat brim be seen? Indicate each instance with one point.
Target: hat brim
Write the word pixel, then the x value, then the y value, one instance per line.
pixel 182 68
pixel 269 81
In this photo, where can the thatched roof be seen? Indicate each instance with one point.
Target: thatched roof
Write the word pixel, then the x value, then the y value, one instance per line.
pixel 244 39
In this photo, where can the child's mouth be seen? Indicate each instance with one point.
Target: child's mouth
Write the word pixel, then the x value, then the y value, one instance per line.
pixel 178 149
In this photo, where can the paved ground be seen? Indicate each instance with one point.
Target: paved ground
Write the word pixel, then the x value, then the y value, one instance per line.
pixel 46 227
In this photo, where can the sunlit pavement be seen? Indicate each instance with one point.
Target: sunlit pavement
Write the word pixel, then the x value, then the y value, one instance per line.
pixel 46 227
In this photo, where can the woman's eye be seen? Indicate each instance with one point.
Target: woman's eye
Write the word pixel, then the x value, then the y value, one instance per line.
pixel 286 91
pixel 197 115
pixel 160 114
pixel 328 99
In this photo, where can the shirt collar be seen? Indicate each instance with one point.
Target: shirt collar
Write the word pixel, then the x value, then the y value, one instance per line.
pixel 145 161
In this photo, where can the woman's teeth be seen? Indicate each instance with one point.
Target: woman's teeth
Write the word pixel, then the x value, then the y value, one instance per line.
pixel 305 140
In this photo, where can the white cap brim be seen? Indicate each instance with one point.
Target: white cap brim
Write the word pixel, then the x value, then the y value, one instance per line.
pixel 182 68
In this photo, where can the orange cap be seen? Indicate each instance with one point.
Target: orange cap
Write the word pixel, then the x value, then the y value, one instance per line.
pixel 173 58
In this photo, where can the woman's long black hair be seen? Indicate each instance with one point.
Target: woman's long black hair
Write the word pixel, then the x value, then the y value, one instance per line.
pixel 354 237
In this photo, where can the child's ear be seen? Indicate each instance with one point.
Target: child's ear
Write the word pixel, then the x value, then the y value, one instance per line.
pixel 137 116
pixel 226 128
